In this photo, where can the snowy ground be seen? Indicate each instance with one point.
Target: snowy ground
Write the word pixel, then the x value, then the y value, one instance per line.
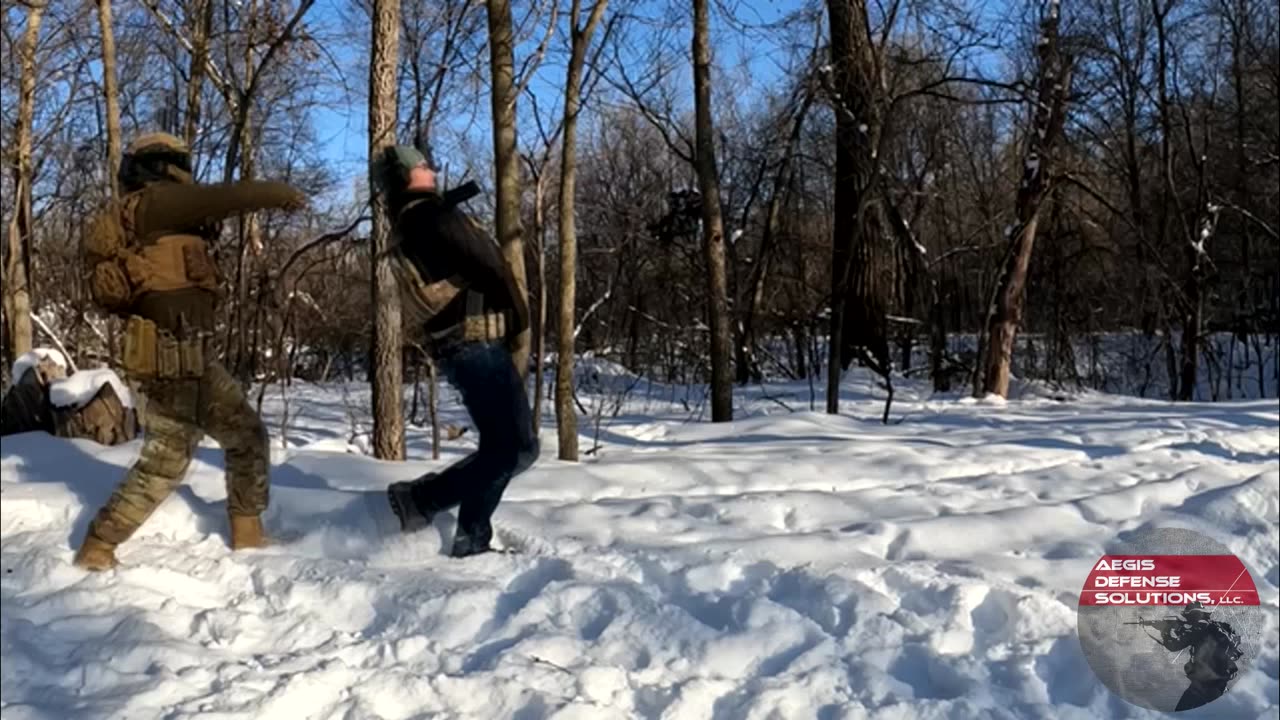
pixel 788 565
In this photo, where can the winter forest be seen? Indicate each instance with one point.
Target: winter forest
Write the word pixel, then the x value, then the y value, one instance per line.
pixel 1080 193
pixel 859 332
pixel 1083 194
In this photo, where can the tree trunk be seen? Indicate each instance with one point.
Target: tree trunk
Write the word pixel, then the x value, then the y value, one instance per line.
pixel 712 221
pixel 938 370
pixel 17 285
pixel 1169 199
pixel 506 161
pixel 111 93
pixel 203 12
pixel 539 317
pixel 388 413
pixel 1005 315
pixel 801 350
pixel 858 301
pixel 566 415
pixel 433 408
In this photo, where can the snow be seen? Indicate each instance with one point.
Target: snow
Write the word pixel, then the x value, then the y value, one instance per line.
pixel 80 387
pixel 28 360
pixel 785 565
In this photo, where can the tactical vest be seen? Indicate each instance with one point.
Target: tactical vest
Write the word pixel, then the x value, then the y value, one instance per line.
pixel 122 267
pixel 423 297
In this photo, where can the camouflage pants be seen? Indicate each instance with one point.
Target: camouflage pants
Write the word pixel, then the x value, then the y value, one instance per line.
pixel 178 415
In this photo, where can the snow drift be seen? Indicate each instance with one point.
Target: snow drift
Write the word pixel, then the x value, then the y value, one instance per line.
pixel 787 565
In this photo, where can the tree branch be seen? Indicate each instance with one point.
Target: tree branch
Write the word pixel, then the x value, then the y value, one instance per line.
pixel 215 75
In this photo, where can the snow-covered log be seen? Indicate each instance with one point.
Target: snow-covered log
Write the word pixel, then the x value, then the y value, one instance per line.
pixel 93 404
pixel 90 404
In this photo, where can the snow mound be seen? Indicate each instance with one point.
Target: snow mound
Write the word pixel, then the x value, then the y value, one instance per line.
pixel 28 360
pixel 79 388
pixel 796 565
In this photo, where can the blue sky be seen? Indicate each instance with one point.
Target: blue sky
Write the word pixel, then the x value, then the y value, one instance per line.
pixel 341 124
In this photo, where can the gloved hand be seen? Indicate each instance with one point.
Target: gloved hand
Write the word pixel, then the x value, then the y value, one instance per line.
pixel 297 200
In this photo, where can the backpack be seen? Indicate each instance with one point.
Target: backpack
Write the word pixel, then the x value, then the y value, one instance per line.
pixel 107 241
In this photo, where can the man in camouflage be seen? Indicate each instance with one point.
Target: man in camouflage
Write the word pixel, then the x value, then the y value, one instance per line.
pixel 158 273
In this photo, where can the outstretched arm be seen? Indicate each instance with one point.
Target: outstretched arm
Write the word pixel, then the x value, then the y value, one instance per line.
pixel 175 206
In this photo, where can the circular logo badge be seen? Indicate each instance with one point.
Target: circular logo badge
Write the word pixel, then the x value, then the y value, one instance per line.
pixel 1169 620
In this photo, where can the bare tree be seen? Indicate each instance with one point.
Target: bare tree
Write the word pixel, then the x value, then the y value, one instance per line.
pixel 202 27
pixel 506 160
pixel 388 413
pixel 858 302
pixel 1005 315
pixel 17 286
pixel 110 92
pixel 712 220
pixel 566 415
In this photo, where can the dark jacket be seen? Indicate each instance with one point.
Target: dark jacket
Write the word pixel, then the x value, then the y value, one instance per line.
pixel 442 241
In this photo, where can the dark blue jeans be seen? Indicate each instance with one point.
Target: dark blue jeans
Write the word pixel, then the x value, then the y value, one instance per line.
pixel 498 404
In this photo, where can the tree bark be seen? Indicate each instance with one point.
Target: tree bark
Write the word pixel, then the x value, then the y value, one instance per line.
pixel 506 161
pixel 712 220
pixel 388 413
pixel 199 60
pixel 539 317
pixel 566 415
pixel 858 297
pixel 111 93
pixel 1005 315
pixel 17 285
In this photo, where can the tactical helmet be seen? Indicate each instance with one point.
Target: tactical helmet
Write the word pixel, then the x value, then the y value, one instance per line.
pixel 1194 609
pixel 154 157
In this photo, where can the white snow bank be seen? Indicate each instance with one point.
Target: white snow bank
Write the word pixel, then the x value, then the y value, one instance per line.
pixel 793 566
pixel 80 387
pixel 28 360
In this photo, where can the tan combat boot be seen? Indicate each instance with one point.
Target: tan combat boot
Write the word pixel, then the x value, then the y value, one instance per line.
pixel 247 532
pixel 96 555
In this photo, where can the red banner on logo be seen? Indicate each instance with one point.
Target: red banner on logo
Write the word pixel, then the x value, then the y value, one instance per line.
pixel 1171 580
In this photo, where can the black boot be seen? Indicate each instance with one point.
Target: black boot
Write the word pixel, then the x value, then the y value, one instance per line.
pixel 468 544
pixel 400 495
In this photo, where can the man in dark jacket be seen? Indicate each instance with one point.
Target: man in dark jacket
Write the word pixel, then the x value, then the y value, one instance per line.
pixel 459 290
